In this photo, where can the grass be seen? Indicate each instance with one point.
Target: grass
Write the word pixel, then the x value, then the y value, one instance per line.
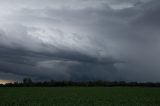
pixel 79 96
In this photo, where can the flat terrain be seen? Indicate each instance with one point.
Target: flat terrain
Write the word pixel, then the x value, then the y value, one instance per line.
pixel 79 96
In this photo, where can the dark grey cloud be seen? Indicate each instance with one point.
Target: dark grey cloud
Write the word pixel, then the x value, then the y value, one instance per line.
pixel 80 40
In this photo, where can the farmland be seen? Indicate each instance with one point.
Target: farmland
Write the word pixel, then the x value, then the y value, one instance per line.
pixel 79 96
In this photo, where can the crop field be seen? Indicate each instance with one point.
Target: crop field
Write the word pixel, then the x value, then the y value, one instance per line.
pixel 79 96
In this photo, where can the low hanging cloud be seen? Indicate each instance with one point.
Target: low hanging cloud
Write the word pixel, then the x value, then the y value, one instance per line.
pixel 80 40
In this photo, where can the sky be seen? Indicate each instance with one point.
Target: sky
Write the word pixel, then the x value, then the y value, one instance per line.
pixel 80 40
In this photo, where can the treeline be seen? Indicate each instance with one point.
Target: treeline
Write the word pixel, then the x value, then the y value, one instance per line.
pixel 27 82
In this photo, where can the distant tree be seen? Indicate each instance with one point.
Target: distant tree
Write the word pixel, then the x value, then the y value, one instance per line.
pixel 1 85
pixel 27 81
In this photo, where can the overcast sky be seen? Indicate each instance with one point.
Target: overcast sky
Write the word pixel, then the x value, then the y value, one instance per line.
pixel 80 40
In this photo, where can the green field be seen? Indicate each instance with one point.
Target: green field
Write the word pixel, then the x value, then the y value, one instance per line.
pixel 79 96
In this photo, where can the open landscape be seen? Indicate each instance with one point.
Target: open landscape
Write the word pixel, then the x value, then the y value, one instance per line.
pixel 79 52
pixel 79 96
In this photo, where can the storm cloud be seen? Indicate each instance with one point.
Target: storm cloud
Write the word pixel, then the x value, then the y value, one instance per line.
pixel 80 40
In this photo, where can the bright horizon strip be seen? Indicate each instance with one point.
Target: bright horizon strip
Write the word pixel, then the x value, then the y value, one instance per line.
pixel 6 81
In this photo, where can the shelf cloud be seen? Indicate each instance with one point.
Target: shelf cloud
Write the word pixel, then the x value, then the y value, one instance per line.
pixel 80 40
